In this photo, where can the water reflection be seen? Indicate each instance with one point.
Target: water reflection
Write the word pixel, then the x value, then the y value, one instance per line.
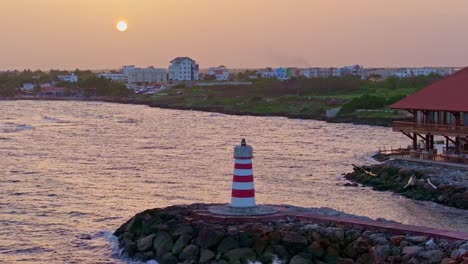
pixel 75 170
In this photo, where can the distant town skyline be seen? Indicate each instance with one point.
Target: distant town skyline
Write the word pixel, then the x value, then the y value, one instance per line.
pixel 52 34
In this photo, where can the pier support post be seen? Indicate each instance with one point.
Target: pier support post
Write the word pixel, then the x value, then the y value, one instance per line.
pixel 415 141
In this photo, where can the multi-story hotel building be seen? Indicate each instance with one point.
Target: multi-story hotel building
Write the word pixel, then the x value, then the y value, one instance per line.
pixel 183 69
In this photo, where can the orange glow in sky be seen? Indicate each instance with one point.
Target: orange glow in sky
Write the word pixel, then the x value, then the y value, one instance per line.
pixel 238 33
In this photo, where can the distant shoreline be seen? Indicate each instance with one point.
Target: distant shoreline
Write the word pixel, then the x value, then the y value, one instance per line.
pixel 215 109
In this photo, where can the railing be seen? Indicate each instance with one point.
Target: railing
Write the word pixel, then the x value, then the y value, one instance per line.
pixel 423 155
pixel 397 125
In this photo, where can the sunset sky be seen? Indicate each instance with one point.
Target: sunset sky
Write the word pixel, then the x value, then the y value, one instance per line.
pixel 67 34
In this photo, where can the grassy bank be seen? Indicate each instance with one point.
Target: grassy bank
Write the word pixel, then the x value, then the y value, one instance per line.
pixel 249 100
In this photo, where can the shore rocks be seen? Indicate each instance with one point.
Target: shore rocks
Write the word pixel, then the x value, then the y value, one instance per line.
pixel 411 180
pixel 163 243
pixel 145 243
pixel 171 236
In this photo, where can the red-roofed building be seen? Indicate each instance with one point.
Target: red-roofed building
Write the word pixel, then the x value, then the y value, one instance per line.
pixel 440 109
pixel 220 73
pixel 52 91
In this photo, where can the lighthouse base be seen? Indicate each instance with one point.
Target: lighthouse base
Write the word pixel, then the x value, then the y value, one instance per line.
pixel 243 211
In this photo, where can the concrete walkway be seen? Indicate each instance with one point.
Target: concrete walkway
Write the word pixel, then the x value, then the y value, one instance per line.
pixel 435 163
pixel 283 213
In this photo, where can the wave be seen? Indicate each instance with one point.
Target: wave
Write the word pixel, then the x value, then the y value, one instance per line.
pixel 53 119
pixel 116 251
pixel 10 127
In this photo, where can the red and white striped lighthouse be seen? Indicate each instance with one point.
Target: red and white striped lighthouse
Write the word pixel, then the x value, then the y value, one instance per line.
pixel 243 190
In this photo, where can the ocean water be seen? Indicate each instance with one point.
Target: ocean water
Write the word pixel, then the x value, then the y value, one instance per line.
pixel 73 172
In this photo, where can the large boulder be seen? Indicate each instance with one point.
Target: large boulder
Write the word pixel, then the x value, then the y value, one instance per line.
pixel 182 229
pixel 209 237
pixel 459 254
pixel 268 256
pixel 379 253
pixel 240 256
pixel 378 239
pixel 189 253
pixel 301 259
pixel 293 239
pixel 396 240
pixel 246 239
pixel 144 256
pixel 433 256
pixel 145 243
pixel 126 235
pixel 448 261
pixel 332 254
pixel 281 253
pixel 180 244
pixel 316 249
pixel 259 245
pixel 163 243
pixel 411 251
pixel 135 225
pixel 417 239
pixel 357 247
pixel 130 247
pixel 168 258
pixel 206 255
pixel 227 244
pixel 335 234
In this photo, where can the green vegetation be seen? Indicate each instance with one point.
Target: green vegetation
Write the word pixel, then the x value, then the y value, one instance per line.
pixel 95 86
pixel 368 101
pixel 8 87
pixel 88 84
pixel 298 97
pixel 307 98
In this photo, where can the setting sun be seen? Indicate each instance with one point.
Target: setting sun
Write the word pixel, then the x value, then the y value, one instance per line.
pixel 122 26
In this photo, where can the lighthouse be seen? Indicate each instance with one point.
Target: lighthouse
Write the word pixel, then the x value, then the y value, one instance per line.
pixel 243 189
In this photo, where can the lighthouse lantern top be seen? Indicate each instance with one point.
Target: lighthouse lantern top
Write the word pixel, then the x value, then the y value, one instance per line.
pixel 243 151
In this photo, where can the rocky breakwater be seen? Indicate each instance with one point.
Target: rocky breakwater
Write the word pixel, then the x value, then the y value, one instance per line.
pixel 447 186
pixel 173 235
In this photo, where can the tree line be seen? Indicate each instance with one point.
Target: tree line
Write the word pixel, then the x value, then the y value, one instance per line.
pixel 88 83
pixel 320 86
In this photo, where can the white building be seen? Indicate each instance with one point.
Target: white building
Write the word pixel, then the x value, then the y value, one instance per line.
pixel 267 73
pixel 309 73
pixel 118 77
pixel 127 69
pixel 320 72
pixel 324 72
pixel 183 69
pixel 147 75
pixel 356 70
pixel 27 87
pixel 426 71
pixel 220 73
pixel 68 78
pixel 335 72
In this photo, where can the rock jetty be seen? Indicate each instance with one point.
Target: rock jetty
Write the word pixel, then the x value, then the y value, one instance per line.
pixel 173 235
pixel 447 186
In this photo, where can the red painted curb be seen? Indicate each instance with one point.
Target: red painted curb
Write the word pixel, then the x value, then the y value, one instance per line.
pixel 393 228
